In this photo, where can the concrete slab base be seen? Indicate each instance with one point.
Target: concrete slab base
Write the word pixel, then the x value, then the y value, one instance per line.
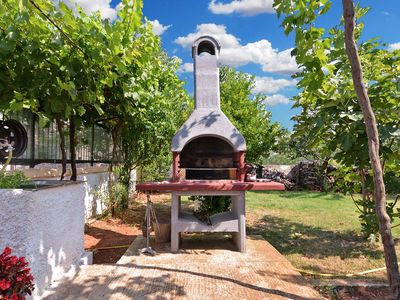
pixel 211 271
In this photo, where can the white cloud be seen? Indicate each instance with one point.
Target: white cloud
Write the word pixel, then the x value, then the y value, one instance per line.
pixel 158 28
pixel 89 6
pixel 276 99
pixel 218 31
pixel 245 7
pixel 394 46
pixel 186 68
pixel 269 85
pixel 234 54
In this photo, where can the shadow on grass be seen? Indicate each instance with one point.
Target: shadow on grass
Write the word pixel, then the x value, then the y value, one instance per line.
pixel 301 195
pixel 314 242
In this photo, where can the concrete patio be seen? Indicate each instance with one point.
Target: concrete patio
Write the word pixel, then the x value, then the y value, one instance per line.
pixel 203 269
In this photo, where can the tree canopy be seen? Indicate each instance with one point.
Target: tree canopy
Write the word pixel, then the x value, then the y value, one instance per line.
pixel 248 113
pixel 65 65
pixel 331 119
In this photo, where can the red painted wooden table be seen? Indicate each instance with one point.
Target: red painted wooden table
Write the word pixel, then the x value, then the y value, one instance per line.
pixel 209 185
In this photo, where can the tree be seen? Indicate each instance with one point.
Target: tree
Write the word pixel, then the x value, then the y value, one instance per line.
pixel 80 70
pixel 248 113
pixel 373 149
pixel 336 109
pixel 291 148
pixel 59 64
pixel 164 105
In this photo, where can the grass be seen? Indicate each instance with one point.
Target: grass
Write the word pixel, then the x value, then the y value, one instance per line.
pixel 317 232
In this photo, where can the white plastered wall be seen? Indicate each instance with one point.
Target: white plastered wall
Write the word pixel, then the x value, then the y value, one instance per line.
pixel 46 226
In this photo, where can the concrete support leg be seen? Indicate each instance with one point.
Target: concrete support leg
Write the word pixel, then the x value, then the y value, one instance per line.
pixel 238 208
pixel 174 221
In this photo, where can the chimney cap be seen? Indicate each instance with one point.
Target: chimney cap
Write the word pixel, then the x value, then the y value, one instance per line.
pixel 207 44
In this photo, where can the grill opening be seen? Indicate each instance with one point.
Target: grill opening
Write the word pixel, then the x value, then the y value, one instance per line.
pixel 208 158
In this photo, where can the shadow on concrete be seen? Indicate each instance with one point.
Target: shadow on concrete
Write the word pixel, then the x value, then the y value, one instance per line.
pixel 118 285
pixel 223 280
pixel 123 284
pixel 207 241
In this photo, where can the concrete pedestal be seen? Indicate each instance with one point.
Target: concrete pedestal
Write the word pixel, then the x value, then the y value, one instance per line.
pixel 233 221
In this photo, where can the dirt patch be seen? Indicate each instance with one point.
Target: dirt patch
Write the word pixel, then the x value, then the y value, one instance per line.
pixel 137 208
pixel 109 233
pixel 122 230
pixel 355 293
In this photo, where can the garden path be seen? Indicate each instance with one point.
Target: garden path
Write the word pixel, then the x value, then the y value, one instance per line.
pixel 205 269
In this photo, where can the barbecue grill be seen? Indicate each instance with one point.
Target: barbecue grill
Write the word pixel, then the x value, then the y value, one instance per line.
pixel 208 156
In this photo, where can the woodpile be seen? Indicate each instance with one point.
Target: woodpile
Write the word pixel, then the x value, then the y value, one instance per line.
pixel 260 173
pixel 311 175
pixel 278 176
pixel 306 175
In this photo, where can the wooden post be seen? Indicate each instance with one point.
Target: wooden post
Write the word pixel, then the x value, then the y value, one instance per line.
pixel 239 157
pixel 33 131
pixel 92 147
pixel 175 166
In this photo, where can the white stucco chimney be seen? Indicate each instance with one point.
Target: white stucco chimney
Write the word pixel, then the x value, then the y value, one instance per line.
pixel 207 118
pixel 205 53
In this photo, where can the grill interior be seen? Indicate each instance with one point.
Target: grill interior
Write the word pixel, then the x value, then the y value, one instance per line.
pixel 208 158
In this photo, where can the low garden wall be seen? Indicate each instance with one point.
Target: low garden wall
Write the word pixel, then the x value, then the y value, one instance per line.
pixel 95 183
pixel 46 226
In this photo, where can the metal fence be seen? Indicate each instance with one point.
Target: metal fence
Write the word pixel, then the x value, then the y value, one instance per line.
pixel 94 144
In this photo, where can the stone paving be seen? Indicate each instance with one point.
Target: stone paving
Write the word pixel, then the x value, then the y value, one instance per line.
pixel 205 269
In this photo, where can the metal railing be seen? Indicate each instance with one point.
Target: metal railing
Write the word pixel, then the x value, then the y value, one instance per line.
pixel 94 144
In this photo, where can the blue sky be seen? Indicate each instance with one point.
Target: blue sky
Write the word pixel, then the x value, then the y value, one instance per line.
pixel 251 37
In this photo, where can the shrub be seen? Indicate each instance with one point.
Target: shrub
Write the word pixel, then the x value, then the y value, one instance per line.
pixel 209 205
pixel 13 180
pixel 15 278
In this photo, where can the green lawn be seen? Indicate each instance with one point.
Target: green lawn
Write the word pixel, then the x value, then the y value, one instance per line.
pixel 316 231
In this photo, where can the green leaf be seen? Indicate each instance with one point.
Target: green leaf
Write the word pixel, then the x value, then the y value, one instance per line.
pixel 44 121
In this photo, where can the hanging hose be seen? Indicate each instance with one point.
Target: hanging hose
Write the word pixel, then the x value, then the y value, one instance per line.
pixel 328 275
pixel 108 248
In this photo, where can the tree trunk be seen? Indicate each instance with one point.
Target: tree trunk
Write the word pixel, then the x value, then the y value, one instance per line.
pixel 324 179
pixel 72 148
pixel 62 147
pixel 116 133
pixel 373 149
